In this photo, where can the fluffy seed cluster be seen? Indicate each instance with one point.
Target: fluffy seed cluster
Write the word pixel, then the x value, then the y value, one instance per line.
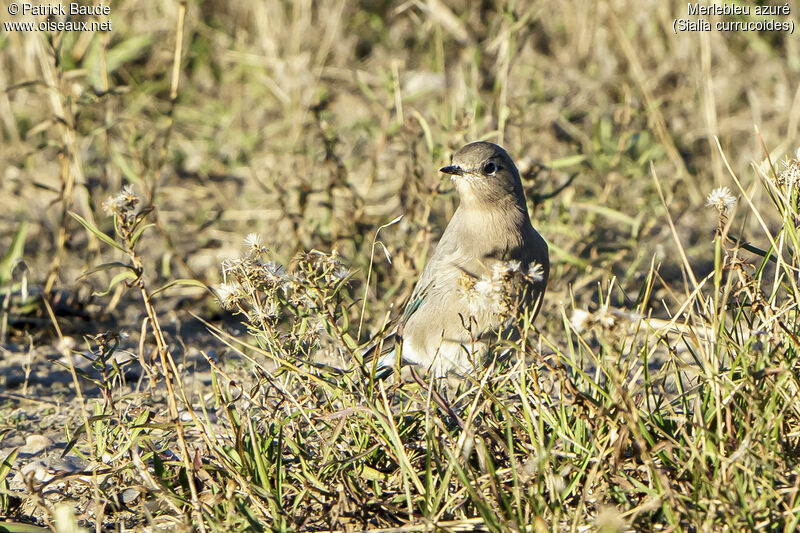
pixel 722 200
pixel 790 175
pixel 124 206
pixel 249 274
pixel 265 292
pixel 498 292
pixel 604 318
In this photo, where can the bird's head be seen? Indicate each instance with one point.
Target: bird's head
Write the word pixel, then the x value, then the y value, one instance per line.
pixel 484 175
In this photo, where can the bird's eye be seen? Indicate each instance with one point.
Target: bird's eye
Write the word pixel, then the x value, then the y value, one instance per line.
pixel 489 168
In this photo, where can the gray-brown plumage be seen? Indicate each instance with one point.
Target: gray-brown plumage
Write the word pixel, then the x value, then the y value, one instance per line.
pixel 454 310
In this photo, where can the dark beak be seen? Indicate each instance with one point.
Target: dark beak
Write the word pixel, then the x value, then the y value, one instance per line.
pixel 455 170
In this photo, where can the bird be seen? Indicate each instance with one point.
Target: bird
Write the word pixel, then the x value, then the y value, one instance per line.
pixel 488 256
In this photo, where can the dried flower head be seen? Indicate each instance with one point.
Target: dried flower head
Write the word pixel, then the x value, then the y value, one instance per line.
pixel 490 293
pixel 790 175
pixel 267 310
pixel 111 206
pixel 475 292
pixel 605 318
pixel 128 196
pixel 580 320
pixel 228 295
pixel 721 199
pixel 283 308
pixel 274 272
pixel 535 272
pixel 609 519
pixel 338 273
pixel 500 270
pixel 253 246
pixel 123 204
pixel 498 291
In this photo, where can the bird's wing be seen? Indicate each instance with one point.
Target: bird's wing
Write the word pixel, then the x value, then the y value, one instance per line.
pixel 444 257
pixel 421 291
pixel 384 346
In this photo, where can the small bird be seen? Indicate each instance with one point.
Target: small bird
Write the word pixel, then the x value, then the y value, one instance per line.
pixel 489 269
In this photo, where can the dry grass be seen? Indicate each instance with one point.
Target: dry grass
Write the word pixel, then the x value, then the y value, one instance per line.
pixel 658 389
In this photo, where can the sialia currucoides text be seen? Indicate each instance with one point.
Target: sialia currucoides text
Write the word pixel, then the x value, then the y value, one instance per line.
pixel 488 271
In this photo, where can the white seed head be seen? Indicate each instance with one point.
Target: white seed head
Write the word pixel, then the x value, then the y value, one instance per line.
pixel 500 270
pixel 339 273
pixel 609 518
pixel 230 265
pixel 580 320
pixel 111 206
pixel 253 246
pixel 124 203
pixel 790 174
pixel 253 240
pixel 536 272
pixel 274 271
pixel 721 199
pixel 605 318
pixel 228 295
pixel 489 295
pixel 269 308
